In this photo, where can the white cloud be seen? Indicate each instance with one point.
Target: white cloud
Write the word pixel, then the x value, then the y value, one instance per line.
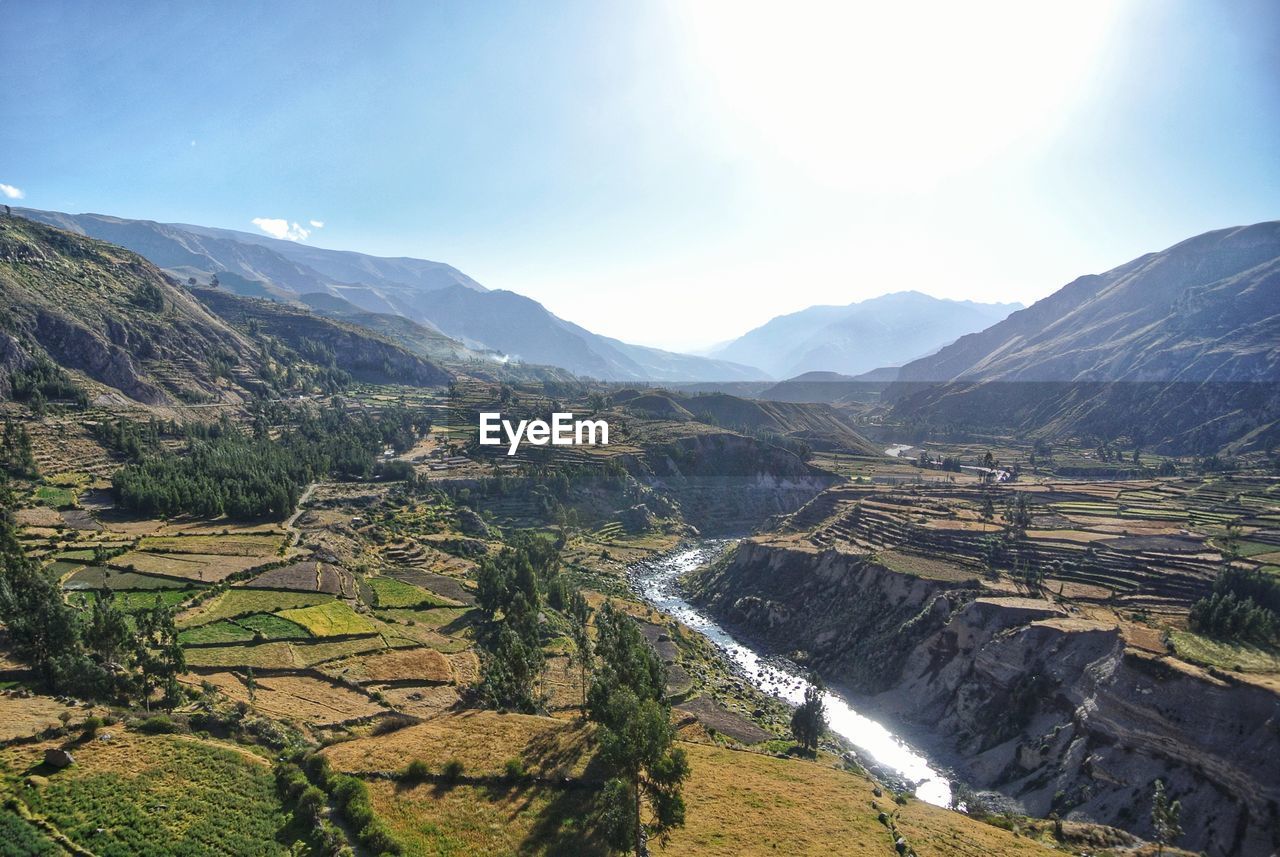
pixel 11 192
pixel 318 224
pixel 278 227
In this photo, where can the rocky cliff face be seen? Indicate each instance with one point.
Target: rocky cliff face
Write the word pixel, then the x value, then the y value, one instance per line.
pixel 727 482
pixel 1020 696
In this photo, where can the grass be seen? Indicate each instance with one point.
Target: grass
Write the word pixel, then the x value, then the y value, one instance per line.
pixel 224 631
pixel 389 592
pixel 1223 655
pixel 21 838
pixel 148 796
pixel 52 495
pixel 273 627
pixel 738 803
pixel 100 577
pixel 334 619
pixel 242 602
pixel 133 600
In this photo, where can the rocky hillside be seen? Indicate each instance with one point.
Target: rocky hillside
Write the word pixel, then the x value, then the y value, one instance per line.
pixel 111 318
pixel 1021 697
pixel 1178 349
pixel 365 354
pixel 429 293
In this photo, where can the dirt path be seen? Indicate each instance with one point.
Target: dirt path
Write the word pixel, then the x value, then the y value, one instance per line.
pixel 290 524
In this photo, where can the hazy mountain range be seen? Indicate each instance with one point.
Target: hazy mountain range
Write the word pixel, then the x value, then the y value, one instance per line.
pixel 1179 348
pixel 884 331
pixel 429 293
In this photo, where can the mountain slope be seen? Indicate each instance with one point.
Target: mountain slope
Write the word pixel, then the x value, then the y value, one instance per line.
pixel 1179 348
pixel 887 330
pixel 430 293
pixel 111 316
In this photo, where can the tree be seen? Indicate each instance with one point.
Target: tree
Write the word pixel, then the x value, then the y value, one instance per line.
pixel 108 638
pixel 637 739
pixel 41 626
pixel 988 509
pixel 579 620
pixel 1166 818
pixel 159 655
pixel 809 720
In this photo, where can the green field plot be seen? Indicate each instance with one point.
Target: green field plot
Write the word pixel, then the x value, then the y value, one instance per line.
pixel 52 495
pixel 389 592
pixel 224 631
pixel 257 626
pixel 242 602
pixel 160 795
pixel 1225 656
pixel 334 619
pixel 1153 513
pixel 99 577
pixel 272 627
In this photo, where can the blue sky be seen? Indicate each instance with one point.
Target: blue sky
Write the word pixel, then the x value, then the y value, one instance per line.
pixel 668 173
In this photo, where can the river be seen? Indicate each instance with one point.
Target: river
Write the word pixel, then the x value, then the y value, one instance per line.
pixel 657 583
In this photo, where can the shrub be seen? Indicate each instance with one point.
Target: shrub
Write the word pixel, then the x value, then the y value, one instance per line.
pixel 91 726
pixel 158 724
pixel 311 803
pixel 319 771
pixel 514 769
pixel 347 789
pixel 391 724
pixel 417 771
pixel 379 840
pixel 452 771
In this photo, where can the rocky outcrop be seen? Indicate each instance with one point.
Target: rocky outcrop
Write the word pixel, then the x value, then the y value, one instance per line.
pixel 1018 695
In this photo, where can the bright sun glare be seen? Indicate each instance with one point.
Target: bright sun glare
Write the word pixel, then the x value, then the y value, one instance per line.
pixel 895 95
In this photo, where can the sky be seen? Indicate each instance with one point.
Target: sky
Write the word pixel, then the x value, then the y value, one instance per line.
pixel 668 173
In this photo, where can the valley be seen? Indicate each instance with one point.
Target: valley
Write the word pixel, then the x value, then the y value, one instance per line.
pixel 290 573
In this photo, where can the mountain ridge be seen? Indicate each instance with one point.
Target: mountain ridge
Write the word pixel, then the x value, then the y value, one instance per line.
pixel 854 338
pixel 261 266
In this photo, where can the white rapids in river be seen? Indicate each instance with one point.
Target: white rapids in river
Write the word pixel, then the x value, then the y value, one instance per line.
pixel 657 583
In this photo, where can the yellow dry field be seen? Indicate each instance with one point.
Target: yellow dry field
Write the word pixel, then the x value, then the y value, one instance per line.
pixel 466 667
pixel 482 741
pixel 1081 536
pixel 300 698
pixel 280 655
pixel 205 568
pixel 253 544
pixel 926 567
pixel 420 701
pixel 38 516
pixel 740 804
pixel 21 717
pixel 417 665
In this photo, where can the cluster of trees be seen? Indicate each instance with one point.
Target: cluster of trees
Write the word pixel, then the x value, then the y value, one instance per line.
pixel 43 381
pixel 637 740
pixel 16 456
pixel 1244 606
pixel 510 591
pixel 225 471
pixel 949 463
pixel 107 654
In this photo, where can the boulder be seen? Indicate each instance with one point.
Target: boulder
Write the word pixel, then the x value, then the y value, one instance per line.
pixel 58 758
